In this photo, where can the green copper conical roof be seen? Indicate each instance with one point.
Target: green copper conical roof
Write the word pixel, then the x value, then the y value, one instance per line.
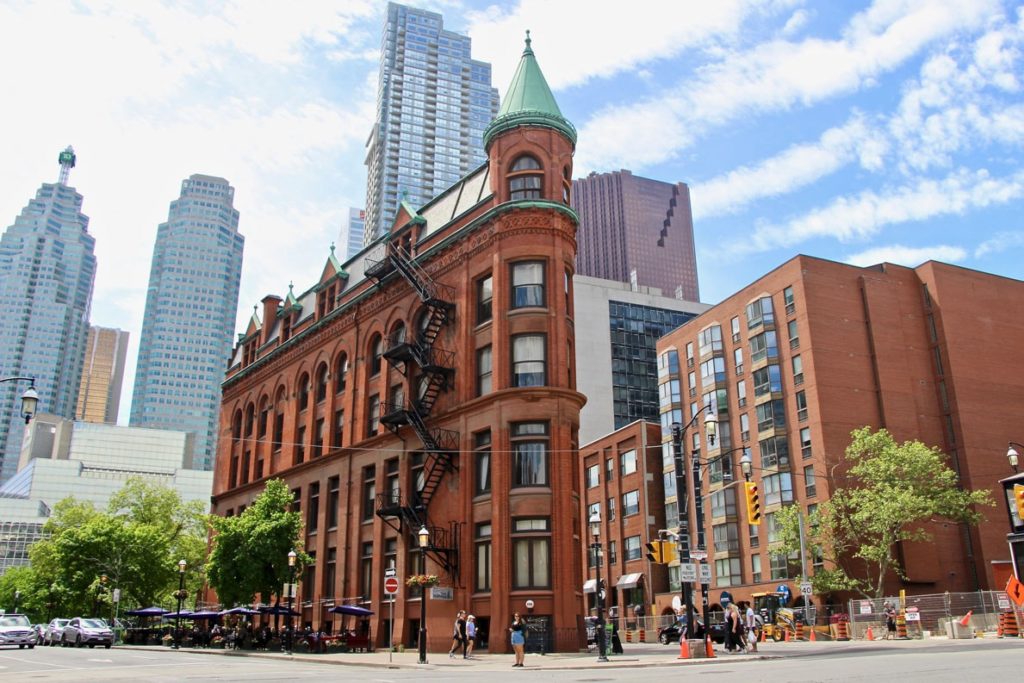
pixel 529 102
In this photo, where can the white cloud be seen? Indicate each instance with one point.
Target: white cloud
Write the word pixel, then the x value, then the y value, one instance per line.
pixel 795 167
pixel 907 256
pixel 865 214
pixel 601 43
pixel 796 22
pixel 777 75
pixel 1000 242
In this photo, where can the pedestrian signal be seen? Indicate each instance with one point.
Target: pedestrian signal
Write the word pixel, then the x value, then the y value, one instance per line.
pixel 753 502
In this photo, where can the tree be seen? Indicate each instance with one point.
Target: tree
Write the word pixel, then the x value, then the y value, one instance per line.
pixel 134 547
pixel 893 491
pixel 250 551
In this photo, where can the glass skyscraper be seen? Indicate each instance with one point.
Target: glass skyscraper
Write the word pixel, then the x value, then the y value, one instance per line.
pixel 433 104
pixel 190 314
pixel 47 268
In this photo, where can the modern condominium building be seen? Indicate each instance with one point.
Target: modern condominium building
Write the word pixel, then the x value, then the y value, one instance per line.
pixel 433 103
pixel 795 361
pixel 47 267
pixel 190 312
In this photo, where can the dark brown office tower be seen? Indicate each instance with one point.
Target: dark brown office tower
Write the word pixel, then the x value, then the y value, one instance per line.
pixel 636 230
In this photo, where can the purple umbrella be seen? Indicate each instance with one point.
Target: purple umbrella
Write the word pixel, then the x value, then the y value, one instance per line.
pixel 278 609
pixel 239 610
pixel 354 610
pixel 147 612
pixel 184 614
pixel 195 616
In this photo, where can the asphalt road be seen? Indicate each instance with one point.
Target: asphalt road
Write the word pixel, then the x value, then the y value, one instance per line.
pixel 938 662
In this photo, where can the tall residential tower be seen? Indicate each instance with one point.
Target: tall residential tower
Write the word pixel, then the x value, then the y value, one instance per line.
pixel 190 312
pixel 636 230
pixel 47 267
pixel 99 392
pixel 433 103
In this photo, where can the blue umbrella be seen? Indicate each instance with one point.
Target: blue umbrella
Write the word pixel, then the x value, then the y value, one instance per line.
pixel 201 615
pixel 351 609
pixel 278 609
pixel 184 614
pixel 239 610
pixel 148 612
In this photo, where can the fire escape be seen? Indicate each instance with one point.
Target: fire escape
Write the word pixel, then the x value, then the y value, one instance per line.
pixel 430 370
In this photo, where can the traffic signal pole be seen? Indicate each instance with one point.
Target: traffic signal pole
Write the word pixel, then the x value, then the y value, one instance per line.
pixel 682 509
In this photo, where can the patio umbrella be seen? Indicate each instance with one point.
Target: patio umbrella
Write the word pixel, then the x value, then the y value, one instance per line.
pixel 239 610
pixel 351 609
pixel 147 612
pixel 184 614
pixel 201 615
pixel 279 609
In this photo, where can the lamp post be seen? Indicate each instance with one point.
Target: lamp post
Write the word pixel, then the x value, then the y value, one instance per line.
pixel 1013 490
pixel 595 547
pixel 181 595
pixel 291 595
pixel 682 502
pixel 698 496
pixel 29 400
pixel 17 596
pixel 424 540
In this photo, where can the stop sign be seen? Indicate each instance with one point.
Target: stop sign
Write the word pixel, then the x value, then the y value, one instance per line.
pixel 391 585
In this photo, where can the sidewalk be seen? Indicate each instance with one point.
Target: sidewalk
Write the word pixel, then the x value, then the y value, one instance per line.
pixel 636 657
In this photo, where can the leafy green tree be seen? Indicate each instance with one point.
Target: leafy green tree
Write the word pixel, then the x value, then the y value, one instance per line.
pixel 893 491
pixel 250 551
pixel 134 547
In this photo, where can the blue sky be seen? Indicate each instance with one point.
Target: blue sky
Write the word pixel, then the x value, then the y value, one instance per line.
pixel 861 132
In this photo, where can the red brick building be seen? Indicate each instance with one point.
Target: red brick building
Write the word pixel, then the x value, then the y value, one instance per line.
pixel 429 381
pixel 796 360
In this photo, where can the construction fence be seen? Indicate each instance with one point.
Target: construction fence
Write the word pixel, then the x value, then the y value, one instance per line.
pixel 955 615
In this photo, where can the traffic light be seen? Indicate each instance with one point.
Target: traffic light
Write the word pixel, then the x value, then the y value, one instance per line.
pixel 655 550
pixel 753 502
pixel 1018 499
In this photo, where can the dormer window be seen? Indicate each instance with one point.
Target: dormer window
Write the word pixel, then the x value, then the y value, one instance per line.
pixel 525 179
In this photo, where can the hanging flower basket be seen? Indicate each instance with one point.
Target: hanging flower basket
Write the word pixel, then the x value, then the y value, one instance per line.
pixel 424 580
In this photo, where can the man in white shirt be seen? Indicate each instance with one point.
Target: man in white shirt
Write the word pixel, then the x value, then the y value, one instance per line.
pixel 753 628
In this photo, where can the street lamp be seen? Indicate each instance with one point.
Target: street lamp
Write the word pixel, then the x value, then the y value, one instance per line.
pixel 682 504
pixel 424 539
pixel 181 596
pixel 29 400
pixel 746 464
pixel 1012 455
pixel 17 596
pixel 291 594
pixel 595 547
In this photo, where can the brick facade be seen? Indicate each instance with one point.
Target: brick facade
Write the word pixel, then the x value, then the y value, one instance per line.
pixel 474 280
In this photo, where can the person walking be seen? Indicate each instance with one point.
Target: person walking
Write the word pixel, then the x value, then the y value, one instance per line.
pixel 890 621
pixel 518 631
pixel 733 629
pixel 458 634
pixel 470 636
pixel 753 628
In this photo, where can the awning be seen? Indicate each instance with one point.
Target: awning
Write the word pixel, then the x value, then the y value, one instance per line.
pixel 628 580
pixel 590 586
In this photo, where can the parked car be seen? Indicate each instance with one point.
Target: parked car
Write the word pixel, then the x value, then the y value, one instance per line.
pixel 54 631
pixel 92 632
pixel 16 629
pixel 670 634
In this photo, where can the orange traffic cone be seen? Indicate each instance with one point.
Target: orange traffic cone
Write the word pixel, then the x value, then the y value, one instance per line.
pixel 967 618
pixel 764 635
pixel 869 635
pixel 684 649
pixel 709 649
pixel 786 635
pixel 813 638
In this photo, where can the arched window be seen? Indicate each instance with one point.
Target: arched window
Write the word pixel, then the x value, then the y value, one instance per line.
pixel 321 383
pixel 340 372
pixel 236 427
pixel 376 351
pixel 397 335
pixel 250 419
pixel 566 185
pixel 303 391
pixel 525 179
pixel 279 406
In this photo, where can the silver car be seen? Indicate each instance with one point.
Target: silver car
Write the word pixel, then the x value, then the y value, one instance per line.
pixel 80 632
pixel 54 632
pixel 16 629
